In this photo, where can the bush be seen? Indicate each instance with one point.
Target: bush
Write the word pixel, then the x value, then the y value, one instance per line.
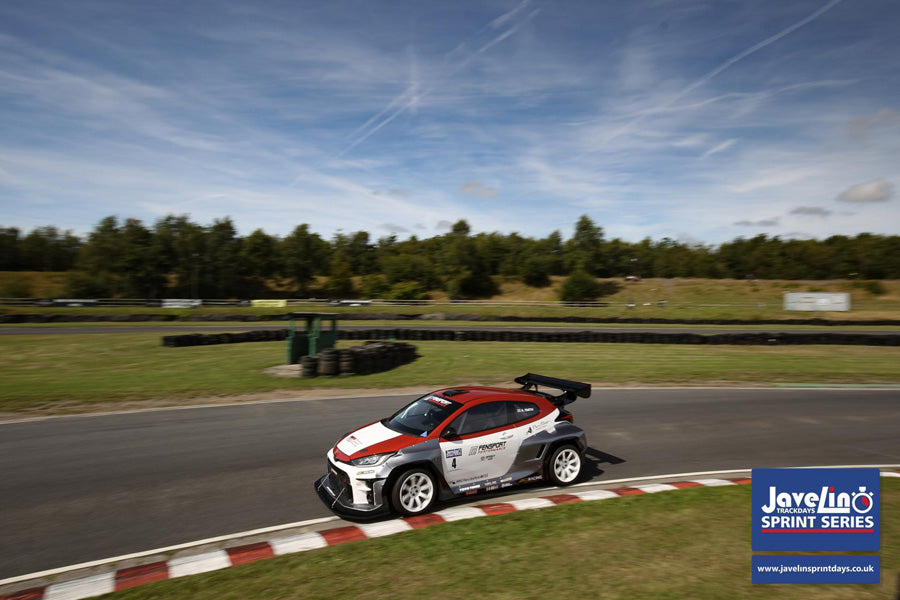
pixel 374 286
pixel 471 286
pixel 535 272
pixel 876 288
pixel 582 287
pixel 81 284
pixel 407 290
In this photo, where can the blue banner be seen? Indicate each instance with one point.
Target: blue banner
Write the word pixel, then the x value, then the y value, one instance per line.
pixel 816 568
pixel 816 509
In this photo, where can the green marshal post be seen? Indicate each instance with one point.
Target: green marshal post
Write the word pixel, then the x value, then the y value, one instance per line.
pixel 313 338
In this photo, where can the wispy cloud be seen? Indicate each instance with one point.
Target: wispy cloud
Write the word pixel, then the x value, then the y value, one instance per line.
pixel 760 223
pixel 476 188
pixel 811 211
pixel 653 118
pixel 719 148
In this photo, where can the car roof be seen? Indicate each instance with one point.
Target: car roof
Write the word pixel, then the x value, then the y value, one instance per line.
pixel 476 394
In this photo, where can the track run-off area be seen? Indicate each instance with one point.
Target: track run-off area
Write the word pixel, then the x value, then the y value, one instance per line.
pixel 82 488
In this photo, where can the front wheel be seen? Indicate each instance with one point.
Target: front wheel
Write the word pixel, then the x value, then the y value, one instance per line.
pixel 564 466
pixel 414 492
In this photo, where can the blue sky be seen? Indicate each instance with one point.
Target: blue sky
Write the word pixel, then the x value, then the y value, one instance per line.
pixel 699 121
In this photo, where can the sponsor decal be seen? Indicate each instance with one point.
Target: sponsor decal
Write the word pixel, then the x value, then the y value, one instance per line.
pixel 488 457
pixel 487 448
pixel 452 452
pixel 439 401
pixel 492 485
pixel 354 440
pixel 470 479
pixel 470 488
pixel 815 509
pixel 530 479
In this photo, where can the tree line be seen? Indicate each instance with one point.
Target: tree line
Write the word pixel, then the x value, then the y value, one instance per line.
pixel 179 258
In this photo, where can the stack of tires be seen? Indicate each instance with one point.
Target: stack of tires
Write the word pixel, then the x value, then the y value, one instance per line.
pixel 309 366
pixel 372 357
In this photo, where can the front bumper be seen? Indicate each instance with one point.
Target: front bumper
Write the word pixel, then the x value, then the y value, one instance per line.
pixel 347 493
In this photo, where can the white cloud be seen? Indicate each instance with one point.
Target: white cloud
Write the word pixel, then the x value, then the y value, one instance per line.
pixel 879 190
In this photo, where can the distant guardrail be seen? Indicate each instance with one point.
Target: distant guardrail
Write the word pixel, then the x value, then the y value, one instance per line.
pixel 188 303
pixel 379 302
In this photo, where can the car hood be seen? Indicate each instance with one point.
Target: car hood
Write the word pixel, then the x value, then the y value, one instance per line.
pixel 374 439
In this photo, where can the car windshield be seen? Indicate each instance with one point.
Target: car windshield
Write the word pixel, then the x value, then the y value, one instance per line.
pixel 423 415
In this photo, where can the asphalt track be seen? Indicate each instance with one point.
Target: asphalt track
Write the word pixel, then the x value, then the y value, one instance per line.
pixel 175 329
pixel 76 489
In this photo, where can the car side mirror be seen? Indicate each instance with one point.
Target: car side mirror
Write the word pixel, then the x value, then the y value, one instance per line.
pixel 450 433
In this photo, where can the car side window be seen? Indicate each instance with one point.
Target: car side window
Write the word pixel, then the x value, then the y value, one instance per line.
pixel 522 411
pixel 482 417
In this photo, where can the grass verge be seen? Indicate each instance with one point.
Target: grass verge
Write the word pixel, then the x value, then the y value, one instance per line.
pixel 687 544
pixel 448 324
pixel 59 373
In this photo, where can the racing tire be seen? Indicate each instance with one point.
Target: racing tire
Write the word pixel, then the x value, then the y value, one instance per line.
pixel 414 492
pixel 564 466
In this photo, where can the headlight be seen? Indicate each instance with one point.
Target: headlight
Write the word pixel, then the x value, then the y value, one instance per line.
pixel 371 460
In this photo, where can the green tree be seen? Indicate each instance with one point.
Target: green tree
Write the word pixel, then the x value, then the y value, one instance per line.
pixel 10 249
pixel 138 268
pixel 258 256
pixel 305 255
pixel 585 251
pixel 340 284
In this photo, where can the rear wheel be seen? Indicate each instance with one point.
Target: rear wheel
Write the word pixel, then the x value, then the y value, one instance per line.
pixel 564 466
pixel 414 492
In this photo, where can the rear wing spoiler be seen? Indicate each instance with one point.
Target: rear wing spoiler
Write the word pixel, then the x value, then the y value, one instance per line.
pixel 571 390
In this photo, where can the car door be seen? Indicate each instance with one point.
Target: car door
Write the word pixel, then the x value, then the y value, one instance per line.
pixel 484 448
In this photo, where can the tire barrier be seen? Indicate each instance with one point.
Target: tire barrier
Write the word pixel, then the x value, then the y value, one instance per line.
pixel 332 362
pixel 202 339
pixel 750 338
pixel 167 318
pixel 371 357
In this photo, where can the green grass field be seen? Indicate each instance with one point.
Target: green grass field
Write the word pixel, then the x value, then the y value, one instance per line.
pixel 60 373
pixel 686 544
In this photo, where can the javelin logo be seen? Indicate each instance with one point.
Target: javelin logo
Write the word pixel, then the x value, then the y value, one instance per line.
pixel 824 503
pixel 815 509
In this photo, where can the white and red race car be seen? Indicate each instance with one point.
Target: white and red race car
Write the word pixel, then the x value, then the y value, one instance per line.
pixel 457 441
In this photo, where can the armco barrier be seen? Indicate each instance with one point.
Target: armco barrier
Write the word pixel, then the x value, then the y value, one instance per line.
pixel 583 337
